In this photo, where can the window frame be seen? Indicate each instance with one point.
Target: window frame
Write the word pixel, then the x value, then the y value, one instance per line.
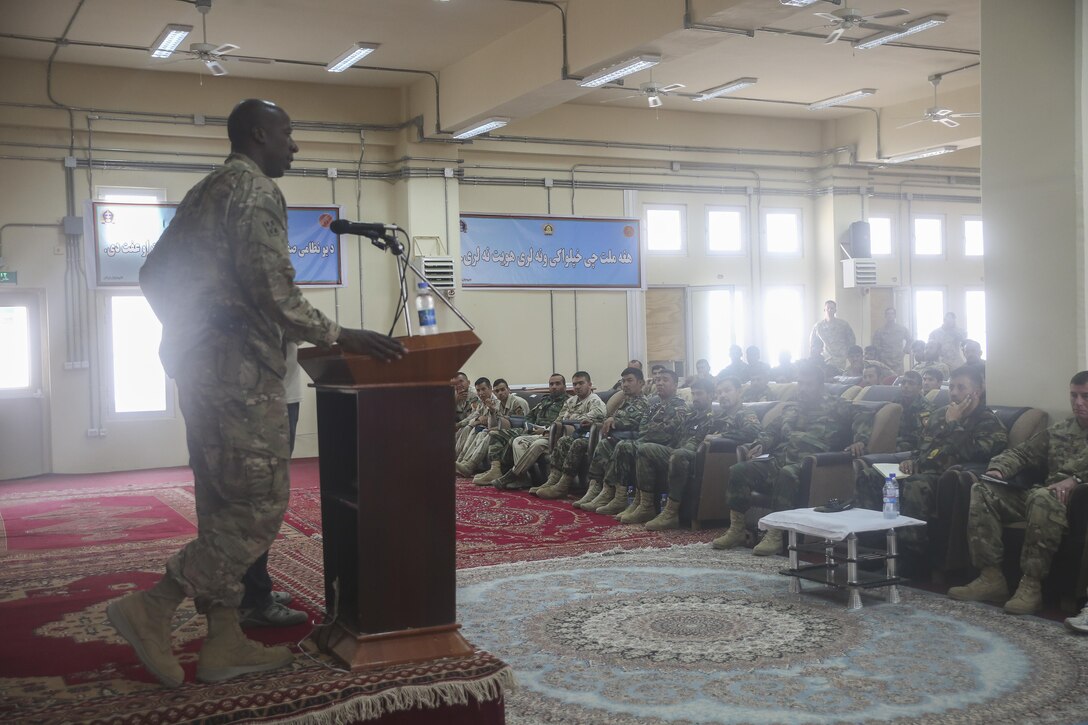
pixel 799 215
pixel 111 414
pixel 682 209
pixel 914 235
pixel 744 231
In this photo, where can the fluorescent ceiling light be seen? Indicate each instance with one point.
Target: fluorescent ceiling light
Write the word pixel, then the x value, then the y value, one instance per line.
pixel 488 124
pixel 730 87
pixel 902 31
pixel 923 154
pixel 619 70
pixel 799 3
pixel 839 100
pixel 350 57
pixel 169 40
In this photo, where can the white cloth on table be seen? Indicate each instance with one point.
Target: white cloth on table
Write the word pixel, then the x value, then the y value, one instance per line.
pixel 836 526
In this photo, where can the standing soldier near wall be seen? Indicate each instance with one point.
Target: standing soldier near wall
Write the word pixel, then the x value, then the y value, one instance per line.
pixel 836 335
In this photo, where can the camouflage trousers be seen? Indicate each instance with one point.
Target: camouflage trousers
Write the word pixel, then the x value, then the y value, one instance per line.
pixel 474 450
pixel 780 482
pixel 602 456
pixel 570 454
pixel 993 506
pixel 239 453
pixel 621 466
pixel 660 464
pixel 498 445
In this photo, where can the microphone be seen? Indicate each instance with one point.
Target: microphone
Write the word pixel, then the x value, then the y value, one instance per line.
pixel 362 229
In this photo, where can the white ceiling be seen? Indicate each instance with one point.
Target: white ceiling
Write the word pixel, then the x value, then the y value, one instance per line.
pixel 430 35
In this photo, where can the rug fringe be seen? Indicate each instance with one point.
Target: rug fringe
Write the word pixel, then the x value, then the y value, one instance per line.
pixel 369 707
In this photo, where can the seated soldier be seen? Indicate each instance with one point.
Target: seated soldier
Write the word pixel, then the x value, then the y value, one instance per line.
pixel 931 358
pixel 479 421
pixel 972 352
pixel 757 390
pixel 813 423
pixel 753 355
pixel 870 375
pixel 816 357
pixel 917 353
pixel 475 452
pixel 658 425
pixel 1059 457
pixel 736 368
pixel 871 357
pixel 855 361
pixel 964 431
pixel 569 455
pixel 464 401
pixel 931 380
pixel 581 410
pixel 671 468
pixel 702 372
pixel 650 391
pixel 538 422
pixel 630 364
pixel 916 411
pixel 785 372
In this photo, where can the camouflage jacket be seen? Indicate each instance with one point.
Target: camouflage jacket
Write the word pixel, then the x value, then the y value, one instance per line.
pixel 913 422
pixel 837 336
pixel 545 412
pixel 974 440
pixel 694 427
pixel 661 422
pixel 890 341
pixel 590 408
pixel 630 413
pixel 1062 449
pixel 741 425
pixel 817 427
pixel 476 407
pixel 222 283
pixel 755 396
pixel 951 342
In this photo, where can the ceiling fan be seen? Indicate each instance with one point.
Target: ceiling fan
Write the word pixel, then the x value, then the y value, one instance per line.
pixel 652 92
pixel 209 53
pixel 845 19
pixel 939 114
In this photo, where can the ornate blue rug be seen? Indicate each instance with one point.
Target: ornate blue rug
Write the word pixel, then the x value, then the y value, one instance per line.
pixel 691 635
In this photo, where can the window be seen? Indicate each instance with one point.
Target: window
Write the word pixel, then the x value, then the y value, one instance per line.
pixel 15 342
pixel 928 235
pixel 782 228
pixel 928 312
pixel 717 317
pixel 131 195
pixel 137 381
pixel 880 236
pixel 725 229
pixel 664 228
pixel 974 318
pixel 972 237
pixel 782 327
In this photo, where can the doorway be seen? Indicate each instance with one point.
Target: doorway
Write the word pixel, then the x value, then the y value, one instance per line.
pixel 23 414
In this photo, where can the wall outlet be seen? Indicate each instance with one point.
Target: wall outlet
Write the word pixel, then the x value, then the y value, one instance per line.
pixel 92 432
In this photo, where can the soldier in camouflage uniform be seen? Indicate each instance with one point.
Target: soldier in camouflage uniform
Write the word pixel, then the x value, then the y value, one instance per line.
pixel 222 283
pixel 931 360
pixel 569 455
pixel 538 422
pixel 836 335
pixel 498 416
pixel 672 466
pixel 484 408
pixel 464 400
pixel 963 432
pixel 757 390
pixel 916 412
pixel 582 410
pixel 949 339
pixel 1055 461
pixel 659 424
pixel 892 342
pixel 813 423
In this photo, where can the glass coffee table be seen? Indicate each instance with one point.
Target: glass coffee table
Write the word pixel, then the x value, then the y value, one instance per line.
pixel 839 544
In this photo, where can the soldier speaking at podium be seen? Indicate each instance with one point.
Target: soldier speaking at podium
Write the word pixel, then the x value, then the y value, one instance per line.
pixel 221 281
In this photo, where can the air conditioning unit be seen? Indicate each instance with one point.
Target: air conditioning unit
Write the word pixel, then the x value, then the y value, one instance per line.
pixel 439 271
pixel 859 272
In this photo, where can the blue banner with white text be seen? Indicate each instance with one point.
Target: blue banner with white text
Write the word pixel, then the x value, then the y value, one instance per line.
pixel 547 252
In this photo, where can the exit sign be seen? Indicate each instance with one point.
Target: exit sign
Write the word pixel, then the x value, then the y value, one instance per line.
pixel 9 277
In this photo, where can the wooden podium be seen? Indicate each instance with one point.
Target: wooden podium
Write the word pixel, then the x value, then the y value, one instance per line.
pixel 385 440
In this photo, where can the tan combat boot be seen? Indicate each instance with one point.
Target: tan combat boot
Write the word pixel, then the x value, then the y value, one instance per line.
pixel 592 492
pixel 736 536
pixel 603 498
pixel 632 504
pixel 990 586
pixel 644 511
pixel 617 504
pixel 490 476
pixel 558 489
pixel 463 469
pixel 771 544
pixel 669 518
pixel 553 478
pixel 228 653
pixel 143 619
pixel 1028 598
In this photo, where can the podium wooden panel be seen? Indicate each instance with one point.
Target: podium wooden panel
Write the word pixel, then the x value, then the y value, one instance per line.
pixel 385 441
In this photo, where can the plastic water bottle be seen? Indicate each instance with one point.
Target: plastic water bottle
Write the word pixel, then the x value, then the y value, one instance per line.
pixel 891 497
pixel 428 323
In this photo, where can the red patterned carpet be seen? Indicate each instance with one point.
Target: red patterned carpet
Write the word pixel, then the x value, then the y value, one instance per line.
pixel 70 544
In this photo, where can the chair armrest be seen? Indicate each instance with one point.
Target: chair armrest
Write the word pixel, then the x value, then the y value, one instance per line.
pixel 718 445
pixel 825 476
pixel 872 458
pixel 832 458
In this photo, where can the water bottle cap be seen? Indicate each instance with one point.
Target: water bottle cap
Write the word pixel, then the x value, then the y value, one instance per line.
pixel 422 285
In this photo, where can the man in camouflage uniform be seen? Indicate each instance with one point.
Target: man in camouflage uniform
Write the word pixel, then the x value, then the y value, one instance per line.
pixel 916 412
pixel 949 339
pixel 963 432
pixel 870 357
pixel 538 422
pixel 222 283
pixel 1059 457
pixel 659 424
pixel 464 400
pixel 814 423
pixel 855 362
pixel 498 415
pixel 569 455
pixel 931 360
pixel 581 410
pixel 485 407
pixel 892 342
pixel 672 466
pixel 836 335
pixel 757 390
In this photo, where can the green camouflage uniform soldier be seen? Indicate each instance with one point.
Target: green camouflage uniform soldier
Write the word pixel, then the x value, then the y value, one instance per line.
pixel 916 413
pixel 660 424
pixel 222 283
pixel 962 432
pixel 836 335
pixel 1058 455
pixel 892 341
pixel 539 420
pixel 569 455
pixel 674 465
pixel 813 423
